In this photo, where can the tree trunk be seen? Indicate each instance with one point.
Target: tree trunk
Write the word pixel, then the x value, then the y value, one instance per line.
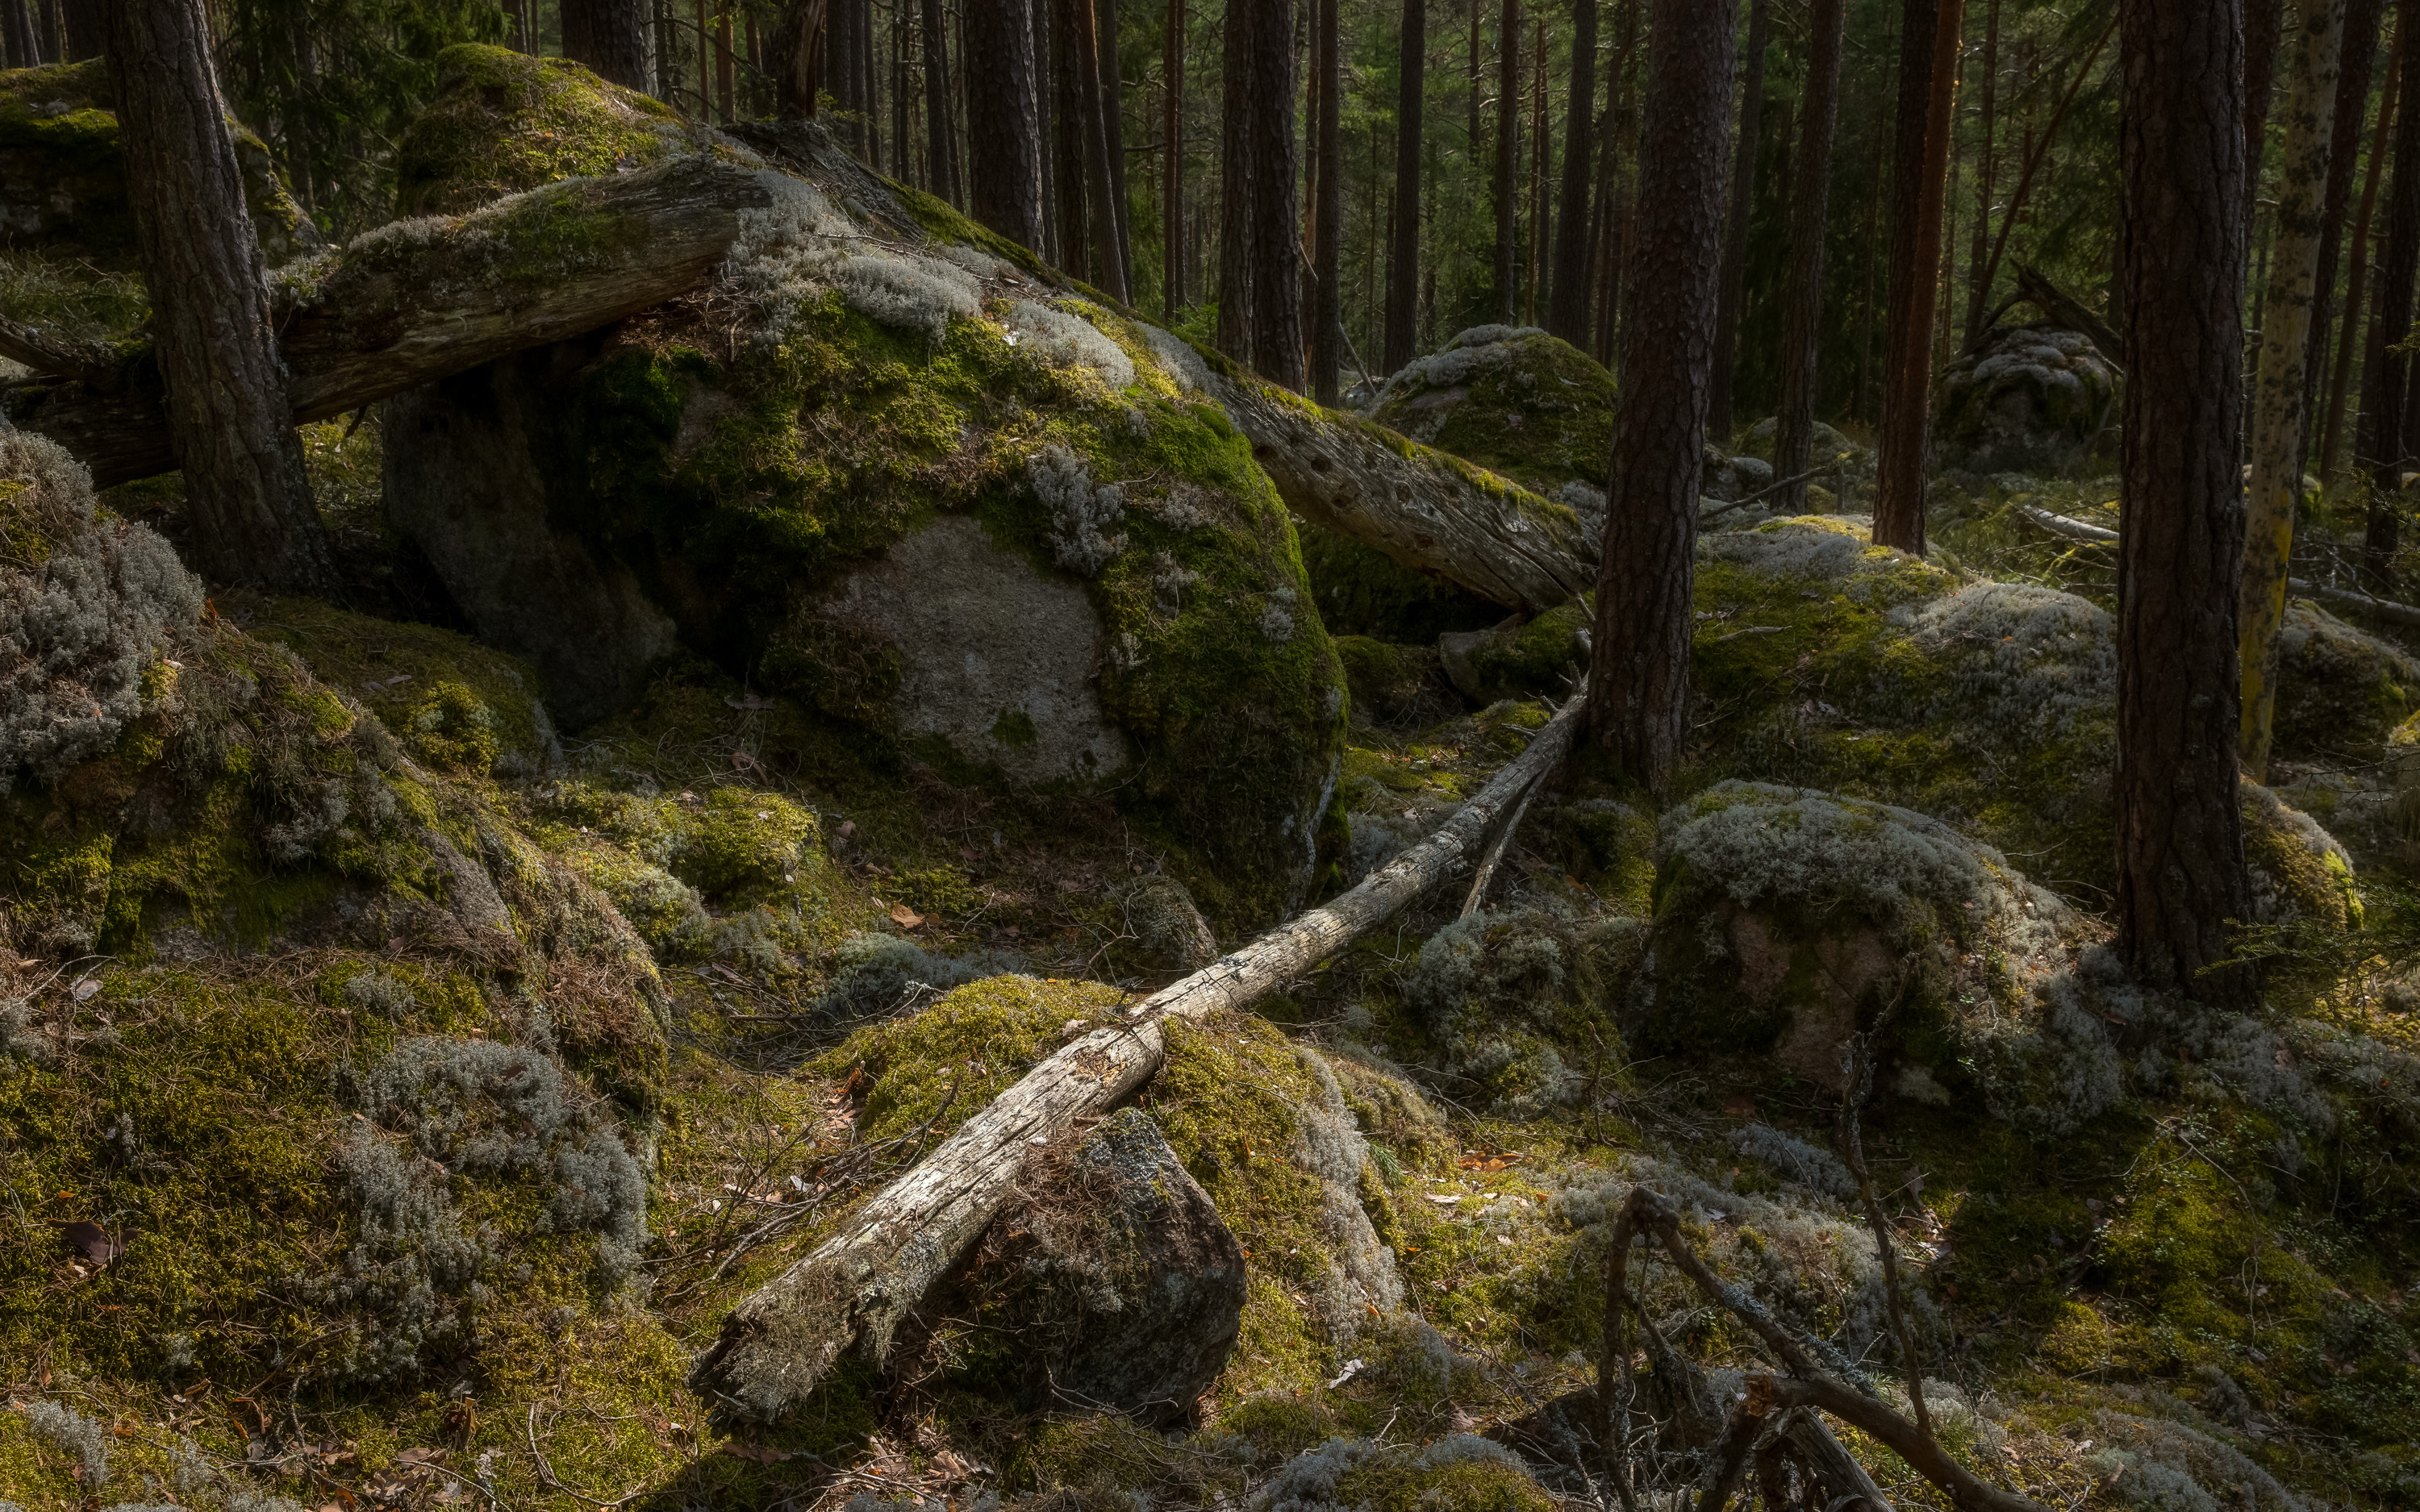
pixel 2181 155
pixel 1173 144
pixel 2262 19
pixel 2382 445
pixel 611 36
pixel 1534 265
pixel 938 128
pixel 1567 313
pixel 1092 134
pixel 1978 292
pixel 486 285
pixel 844 24
pixel 244 485
pixel 1113 133
pixel 81 30
pixel 17 31
pixel 798 49
pixel 1638 677
pixel 1403 261
pixel 2356 60
pixel 1507 148
pixel 1811 203
pixel 1068 125
pixel 1260 302
pixel 1734 285
pixel 1328 214
pixel 1928 66
pixel 1005 121
pixel 2285 348
pixel 782 1339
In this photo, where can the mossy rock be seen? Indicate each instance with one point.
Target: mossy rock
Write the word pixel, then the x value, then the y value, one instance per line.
pixel 1520 1004
pixel 1394 684
pixel 1362 591
pixel 2341 691
pixel 1545 653
pixel 2026 399
pixel 1457 1473
pixel 956 523
pixel 2298 870
pixel 63 187
pixel 1515 401
pixel 502 122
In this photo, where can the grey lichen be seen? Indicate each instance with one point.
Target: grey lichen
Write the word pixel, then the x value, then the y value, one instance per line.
pixel 1081 514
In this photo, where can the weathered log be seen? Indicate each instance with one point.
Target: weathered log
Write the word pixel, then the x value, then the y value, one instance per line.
pixel 1427 509
pixel 781 1340
pixel 419 300
pixel 2068 528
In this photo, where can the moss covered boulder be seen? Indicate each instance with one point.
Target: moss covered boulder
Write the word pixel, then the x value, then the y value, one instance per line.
pixel 2341 691
pixel 502 122
pixel 63 188
pixel 1512 399
pixel 2027 399
pixel 961 517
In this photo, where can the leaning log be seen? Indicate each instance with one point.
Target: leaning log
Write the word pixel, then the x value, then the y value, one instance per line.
pixel 419 300
pixel 781 1340
pixel 1429 510
pixel 2352 600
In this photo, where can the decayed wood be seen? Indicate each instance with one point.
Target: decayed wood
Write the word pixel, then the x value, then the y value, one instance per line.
pixel 1432 512
pixel 2345 599
pixel 779 1342
pixel 419 300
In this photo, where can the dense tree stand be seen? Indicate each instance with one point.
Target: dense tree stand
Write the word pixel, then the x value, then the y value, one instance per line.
pixel 1928 70
pixel 1638 680
pixel 1005 121
pixel 2180 835
pixel 255 521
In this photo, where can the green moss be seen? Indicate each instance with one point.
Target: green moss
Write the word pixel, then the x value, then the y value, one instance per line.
pixel 1399 1481
pixel 1542 415
pixel 1363 591
pixel 966 1049
pixel 504 121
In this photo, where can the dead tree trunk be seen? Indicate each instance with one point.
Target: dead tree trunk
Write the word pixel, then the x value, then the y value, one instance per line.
pixel 2181 873
pixel 1403 259
pixel 1810 202
pixel 228 416
pixel 1567 312
pixel 1734 287
pixel 1639 678
pixel 611 36
pixel 1928 66
pixel 1005 121
pixel 782 1340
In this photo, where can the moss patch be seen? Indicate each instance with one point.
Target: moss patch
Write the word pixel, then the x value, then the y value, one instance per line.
pixel 502 122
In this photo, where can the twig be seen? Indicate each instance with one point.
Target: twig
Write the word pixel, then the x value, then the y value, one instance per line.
pixel 1857 1065
pixel 1495 851
pixel 1747 1426
pixel 1770 487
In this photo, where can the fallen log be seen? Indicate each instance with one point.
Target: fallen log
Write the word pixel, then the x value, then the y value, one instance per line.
pixel 2392 612
pixel 781 1341
pixel 419 300
pixel 1427 509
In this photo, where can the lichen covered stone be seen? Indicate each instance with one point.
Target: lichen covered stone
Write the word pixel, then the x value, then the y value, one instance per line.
pixel 2027 399
pixel 501 121
pixel 1515 401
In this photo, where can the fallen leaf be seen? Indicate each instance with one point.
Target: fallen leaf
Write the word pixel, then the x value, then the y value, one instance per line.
pixel 93 1242
pixel 905 916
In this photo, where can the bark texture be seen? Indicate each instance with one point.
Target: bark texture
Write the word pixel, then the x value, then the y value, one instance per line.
pixel 611 36
pixel 2315 44
pixel 397 308
pixel 1403 256
pixel 850 1294
pixel 1567 313
pixel 1005 121
pixel 1734 285
pixel 1638 677
pixel 1811 203
pixel 2180 153
pixel 1260 298
pixel 228 415
pixel 1927 68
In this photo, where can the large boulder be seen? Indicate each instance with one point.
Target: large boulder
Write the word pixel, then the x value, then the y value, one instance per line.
pixel 959 514
pixel 63 188
pixel 2341 691
pixel 2026 399
pixel 1512 399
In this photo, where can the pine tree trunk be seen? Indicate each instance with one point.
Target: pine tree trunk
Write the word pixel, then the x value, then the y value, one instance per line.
pixel 1567 313
pixel 1172 143
pixel 2182 158
pixel 1638 677
pixel 1403 259
pixel 1734 285
pixel 941 130
pixel 2363 22
pixel 1979 272
pixel 1810 204
pixel 1328 215
pixel 1113 132
pixel 17 31
pixel 844 25
pixel 1071 128
pixel 1005 121
pixel 611 36
pixel 1928 66
pixel 2285 349
pixel 799 44
pixel 1534 265
pixel 251 505
pixel 80 30
pixel 2262 19
pixel 1092 134
pixel 1507 148
pixel 2381 447
pixel 1260 300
